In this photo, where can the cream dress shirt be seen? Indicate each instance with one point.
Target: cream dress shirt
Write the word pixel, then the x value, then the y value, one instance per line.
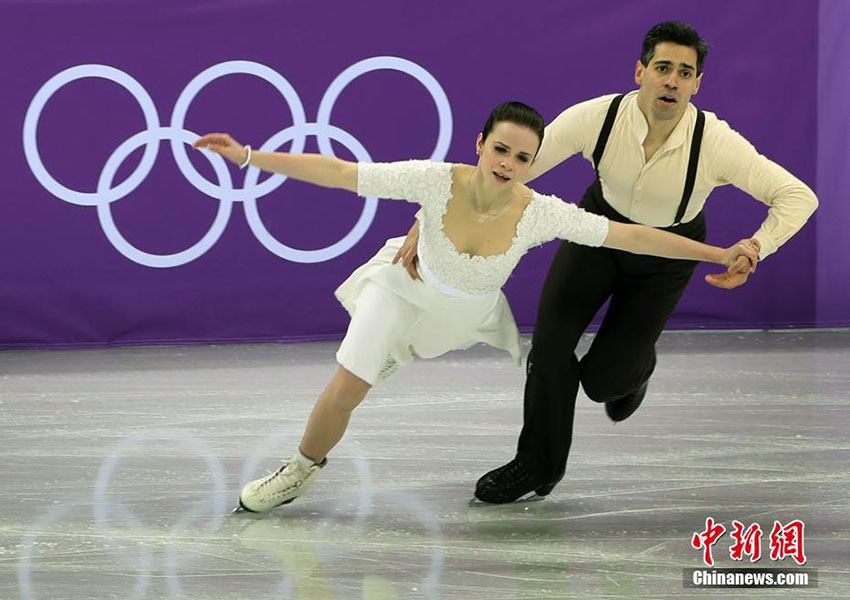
pixel 650 192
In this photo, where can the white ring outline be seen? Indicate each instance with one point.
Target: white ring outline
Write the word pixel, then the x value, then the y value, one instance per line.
pixel 31 142
pixel 367 215
pixel 117 239
pixel 181 107
pixel 390 63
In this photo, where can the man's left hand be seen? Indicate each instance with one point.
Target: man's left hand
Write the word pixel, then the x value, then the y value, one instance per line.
pixel 734 276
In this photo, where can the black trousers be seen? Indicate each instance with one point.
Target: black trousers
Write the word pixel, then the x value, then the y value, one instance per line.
pixel 643 290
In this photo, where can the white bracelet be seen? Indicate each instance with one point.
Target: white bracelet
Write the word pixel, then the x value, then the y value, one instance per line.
pixel 248 158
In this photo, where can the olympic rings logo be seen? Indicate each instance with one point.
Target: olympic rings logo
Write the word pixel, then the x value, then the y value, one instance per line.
pixel 224 191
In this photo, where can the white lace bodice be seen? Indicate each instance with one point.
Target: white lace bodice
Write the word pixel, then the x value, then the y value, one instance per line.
pixel 429 184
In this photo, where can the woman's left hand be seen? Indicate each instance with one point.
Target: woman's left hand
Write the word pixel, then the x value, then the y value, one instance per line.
pixel 741 267
pixel 748 249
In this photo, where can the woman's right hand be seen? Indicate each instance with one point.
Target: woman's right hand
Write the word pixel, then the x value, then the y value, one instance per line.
pixel 223 144
pixel 407 252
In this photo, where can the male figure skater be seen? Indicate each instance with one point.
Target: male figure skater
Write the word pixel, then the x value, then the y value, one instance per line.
pixel 657 158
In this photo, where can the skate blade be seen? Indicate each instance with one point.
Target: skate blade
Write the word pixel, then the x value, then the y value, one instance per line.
pixel 524 499
pixel 243 509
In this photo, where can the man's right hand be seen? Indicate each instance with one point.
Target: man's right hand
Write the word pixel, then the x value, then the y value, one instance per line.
pixel 407 253
pixel 739 271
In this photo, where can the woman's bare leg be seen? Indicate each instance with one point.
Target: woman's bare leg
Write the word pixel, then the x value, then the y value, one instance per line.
pixel 329 419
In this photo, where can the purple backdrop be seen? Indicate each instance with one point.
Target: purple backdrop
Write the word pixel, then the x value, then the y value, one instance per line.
pixel 64 283
pixel 833 158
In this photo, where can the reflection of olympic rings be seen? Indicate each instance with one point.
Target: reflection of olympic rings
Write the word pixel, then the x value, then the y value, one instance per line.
pixel 215 500
pixel 391 502
pixel 211 508
pixel 205 514
pixel 143 560
pixel 224 191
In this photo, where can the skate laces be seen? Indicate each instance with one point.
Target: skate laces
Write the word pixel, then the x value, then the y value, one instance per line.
pixel 288 480
pixel 388 369
pixel 514 471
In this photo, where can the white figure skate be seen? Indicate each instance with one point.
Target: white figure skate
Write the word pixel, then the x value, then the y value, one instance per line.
pixel 283 486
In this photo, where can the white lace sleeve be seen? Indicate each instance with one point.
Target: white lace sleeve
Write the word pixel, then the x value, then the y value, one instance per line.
pixel 412 180
pixel 553 218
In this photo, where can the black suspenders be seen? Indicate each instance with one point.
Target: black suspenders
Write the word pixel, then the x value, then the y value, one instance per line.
pixel 606 131
pixel 693 160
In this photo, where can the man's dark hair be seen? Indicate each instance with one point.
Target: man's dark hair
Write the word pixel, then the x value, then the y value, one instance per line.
pixel 518 113
pixel 678 33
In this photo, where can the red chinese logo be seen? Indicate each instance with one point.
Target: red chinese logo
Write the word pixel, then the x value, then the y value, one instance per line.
pixel 705 540
pixel 787 541
pixel 746 542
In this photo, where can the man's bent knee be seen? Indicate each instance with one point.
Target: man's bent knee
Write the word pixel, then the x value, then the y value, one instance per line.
pixel 602 384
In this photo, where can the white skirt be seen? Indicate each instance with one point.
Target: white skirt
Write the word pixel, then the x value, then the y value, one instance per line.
pixel 414 318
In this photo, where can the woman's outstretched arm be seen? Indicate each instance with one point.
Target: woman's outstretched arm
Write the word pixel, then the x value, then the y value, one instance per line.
pixel 640 239
pixel 326 171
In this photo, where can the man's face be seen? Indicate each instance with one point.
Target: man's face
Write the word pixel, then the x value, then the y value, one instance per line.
pixel 668 81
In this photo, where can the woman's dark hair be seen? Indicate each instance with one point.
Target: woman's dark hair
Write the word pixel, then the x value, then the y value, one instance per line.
pixel 678 33
pixel 518 113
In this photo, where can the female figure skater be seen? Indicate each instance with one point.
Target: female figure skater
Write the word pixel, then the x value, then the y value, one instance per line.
pixel 476 224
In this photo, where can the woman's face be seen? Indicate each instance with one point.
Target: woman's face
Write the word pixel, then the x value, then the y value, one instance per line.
pixel 506 154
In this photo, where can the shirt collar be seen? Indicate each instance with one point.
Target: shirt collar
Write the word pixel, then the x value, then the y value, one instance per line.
pixel 640 127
